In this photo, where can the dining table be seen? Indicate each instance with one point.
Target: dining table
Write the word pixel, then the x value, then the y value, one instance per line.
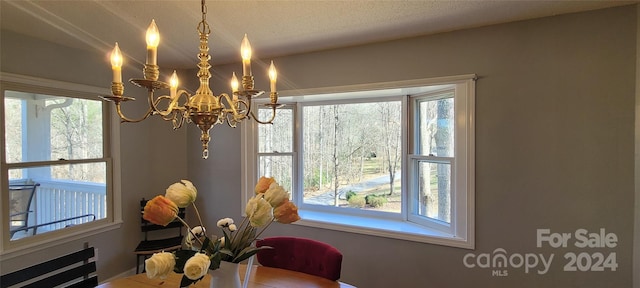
pixel 259 277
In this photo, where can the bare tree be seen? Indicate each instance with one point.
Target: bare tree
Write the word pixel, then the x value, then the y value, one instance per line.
pixel 390 124
pixel 336 180
pixel 443 148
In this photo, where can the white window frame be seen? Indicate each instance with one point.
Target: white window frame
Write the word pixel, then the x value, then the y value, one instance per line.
pixel 10 249
pixel 460 233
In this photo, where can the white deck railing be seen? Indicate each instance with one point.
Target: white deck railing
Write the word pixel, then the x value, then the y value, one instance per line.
pixel 58 200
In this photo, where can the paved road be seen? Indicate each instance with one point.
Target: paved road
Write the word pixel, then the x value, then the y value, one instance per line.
pixel 326 198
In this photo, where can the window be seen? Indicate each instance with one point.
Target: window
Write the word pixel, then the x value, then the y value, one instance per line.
pixel 393 159
pixel 57 165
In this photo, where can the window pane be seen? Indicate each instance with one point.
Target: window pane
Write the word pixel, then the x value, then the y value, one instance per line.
pixel 13 108
pixel 436 126
pixel 434 188
pixel 353 151
pixel 279 167
pixel 39 203
pixel 43 127
pixel 279 136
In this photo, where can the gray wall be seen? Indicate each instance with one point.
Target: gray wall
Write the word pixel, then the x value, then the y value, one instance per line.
pixel 554 146
pixel 555 132
pixel 152 155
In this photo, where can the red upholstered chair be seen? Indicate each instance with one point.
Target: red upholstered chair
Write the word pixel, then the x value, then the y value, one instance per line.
pixel 302 255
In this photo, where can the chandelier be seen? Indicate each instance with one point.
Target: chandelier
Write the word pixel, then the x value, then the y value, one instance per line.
pixel 204 108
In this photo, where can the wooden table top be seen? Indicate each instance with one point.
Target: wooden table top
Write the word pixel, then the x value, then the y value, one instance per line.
pixel 261 277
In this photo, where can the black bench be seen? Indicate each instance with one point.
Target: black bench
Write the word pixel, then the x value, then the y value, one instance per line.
pixel 74 270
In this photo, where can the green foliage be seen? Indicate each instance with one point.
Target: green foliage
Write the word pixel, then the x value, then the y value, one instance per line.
pixel 357 201
pixel 375 201
pixel 350 194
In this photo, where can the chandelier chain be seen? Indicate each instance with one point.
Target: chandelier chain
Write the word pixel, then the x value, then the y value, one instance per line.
pixel 203 26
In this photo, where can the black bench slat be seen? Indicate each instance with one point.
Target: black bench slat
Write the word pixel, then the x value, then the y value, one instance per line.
pixel 65 276
pixel 158 244
pixel 154 227
pixel 88 283
pixel 37 270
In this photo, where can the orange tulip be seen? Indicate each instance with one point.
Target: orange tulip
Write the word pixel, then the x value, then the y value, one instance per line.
pixel 263 184
pixel 286 213
pixel 160 210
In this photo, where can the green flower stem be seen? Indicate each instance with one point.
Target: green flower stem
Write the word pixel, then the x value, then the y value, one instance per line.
pixel 198 214
pixel 238 229
pixel 189 228
pixel 263 229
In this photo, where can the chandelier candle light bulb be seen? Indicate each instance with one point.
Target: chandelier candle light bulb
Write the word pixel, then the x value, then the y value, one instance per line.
pixel 245 51
pixel 153 39
pixel 234 86
pixel 273 76
pixel 116 64
pixel 173 84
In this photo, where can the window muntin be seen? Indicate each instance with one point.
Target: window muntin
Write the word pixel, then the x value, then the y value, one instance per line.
pixel 76 164
pixel 452 226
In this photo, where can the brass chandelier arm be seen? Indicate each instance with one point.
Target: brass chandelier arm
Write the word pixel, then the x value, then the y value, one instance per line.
pixel 270 121
pixel 177 118
pixel 273 97
pixel 174 104
pixel 230 111
pixel 129 120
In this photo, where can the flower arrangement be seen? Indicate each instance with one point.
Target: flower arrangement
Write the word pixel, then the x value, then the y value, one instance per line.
pixel 200 252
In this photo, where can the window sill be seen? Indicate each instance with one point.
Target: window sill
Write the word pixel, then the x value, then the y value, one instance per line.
pixel 47 241
pixel 388 228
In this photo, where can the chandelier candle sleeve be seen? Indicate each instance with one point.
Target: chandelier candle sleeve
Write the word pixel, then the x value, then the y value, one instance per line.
pixel 116 64
pixel 245 51
pixel 153 39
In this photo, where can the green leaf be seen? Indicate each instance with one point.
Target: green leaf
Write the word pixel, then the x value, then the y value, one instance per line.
pixel 226 251
pixel 248 252
pixel 186 282
pixel 181 258
pixel 205 244
pixel 215 261
pixel 226 238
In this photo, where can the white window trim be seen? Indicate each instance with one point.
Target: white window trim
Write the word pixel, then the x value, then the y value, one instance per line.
pixel 11 249
pixel 463 236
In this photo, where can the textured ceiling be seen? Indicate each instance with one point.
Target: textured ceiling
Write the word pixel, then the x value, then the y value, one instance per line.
pixel 275 28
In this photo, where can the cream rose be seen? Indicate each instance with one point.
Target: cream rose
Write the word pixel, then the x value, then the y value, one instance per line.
pixel 276 195
pixel 197 266
pixel 182 194
pixel 159 265
pixel 259 211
